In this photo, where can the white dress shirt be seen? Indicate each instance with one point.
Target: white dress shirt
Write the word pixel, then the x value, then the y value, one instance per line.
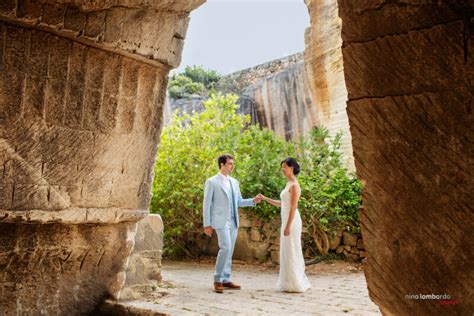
pixel 226 181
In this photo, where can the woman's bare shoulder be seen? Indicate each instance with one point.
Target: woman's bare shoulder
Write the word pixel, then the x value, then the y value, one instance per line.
pixel 295 186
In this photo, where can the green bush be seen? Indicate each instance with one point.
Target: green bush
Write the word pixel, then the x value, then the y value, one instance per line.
pixel 198 74
pixel 330 197
pixel 194 80
pixel 187 156
pixel 257 156
pixel 181 86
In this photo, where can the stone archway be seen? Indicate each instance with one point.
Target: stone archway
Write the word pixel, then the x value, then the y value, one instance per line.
pixel 80 119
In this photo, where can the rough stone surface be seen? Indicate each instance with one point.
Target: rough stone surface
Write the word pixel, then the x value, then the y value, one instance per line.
pixel 349 239
pixel 123 308
pixel 148 30
pixel 81 99
pixel 280 91
pixel 325 71
pixel 248 249
pixel 255 234
pixel 189 106
pixel 334 240
pixel 410 87
pixel 285 101
pixel 238 81
pixel 144 267
pixel 82 138
pixel 53 269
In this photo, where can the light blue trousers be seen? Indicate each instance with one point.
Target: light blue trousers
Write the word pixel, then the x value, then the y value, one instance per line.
pixel 226 237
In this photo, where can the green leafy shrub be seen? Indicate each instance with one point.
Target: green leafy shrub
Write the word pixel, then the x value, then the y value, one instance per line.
pixel 187 156
pixel 330 197
pixel 257 156
pixel 194 80
pixel 198 74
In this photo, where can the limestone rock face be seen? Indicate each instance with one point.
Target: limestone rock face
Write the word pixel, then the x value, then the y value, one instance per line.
pixel 325 73
pixel 188 106
pixel 279 91
pixel 285 101
pixel 409 81
pixel 82 87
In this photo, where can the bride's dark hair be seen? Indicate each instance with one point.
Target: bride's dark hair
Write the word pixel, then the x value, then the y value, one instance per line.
pixel 291 162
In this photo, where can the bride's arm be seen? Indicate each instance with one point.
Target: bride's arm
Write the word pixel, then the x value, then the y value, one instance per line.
pixel 294 197
pixel 272 202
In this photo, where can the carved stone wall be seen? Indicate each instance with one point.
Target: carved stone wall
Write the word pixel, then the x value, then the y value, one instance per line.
pixel 82 84
pixel 56 268
pixel 409 74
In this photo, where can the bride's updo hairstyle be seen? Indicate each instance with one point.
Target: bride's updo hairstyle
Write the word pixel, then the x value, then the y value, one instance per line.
pixel 291 162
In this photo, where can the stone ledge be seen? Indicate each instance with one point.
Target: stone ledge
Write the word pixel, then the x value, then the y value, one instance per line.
pixel 159 62
pixel 93 5
pixel 73 216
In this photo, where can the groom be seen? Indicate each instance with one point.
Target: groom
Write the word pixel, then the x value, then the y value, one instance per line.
pixel 222 199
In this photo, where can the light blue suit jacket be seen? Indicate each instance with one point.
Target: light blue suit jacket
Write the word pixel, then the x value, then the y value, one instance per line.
pixel 217 202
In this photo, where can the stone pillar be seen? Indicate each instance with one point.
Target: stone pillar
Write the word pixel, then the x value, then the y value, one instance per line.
pixel 82 84
pixel 409 75
pixel 325 73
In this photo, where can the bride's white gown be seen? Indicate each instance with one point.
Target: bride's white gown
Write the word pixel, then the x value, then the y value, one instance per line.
pixel 292 277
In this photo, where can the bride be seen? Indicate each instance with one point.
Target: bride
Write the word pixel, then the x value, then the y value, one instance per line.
pixel 292 277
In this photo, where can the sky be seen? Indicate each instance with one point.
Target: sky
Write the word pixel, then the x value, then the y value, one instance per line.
pixel 231 35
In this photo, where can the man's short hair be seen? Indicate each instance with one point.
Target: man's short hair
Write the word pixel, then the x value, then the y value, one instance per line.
pixel 223 159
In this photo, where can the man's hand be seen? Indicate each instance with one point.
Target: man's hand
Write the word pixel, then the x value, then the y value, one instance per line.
pixel 208 231
pixel 257 199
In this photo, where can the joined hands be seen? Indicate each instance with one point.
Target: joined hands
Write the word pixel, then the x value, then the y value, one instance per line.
pixel 259 198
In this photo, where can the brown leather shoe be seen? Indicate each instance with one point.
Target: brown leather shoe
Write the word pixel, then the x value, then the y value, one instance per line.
pixel 218 287
pixel 231 286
